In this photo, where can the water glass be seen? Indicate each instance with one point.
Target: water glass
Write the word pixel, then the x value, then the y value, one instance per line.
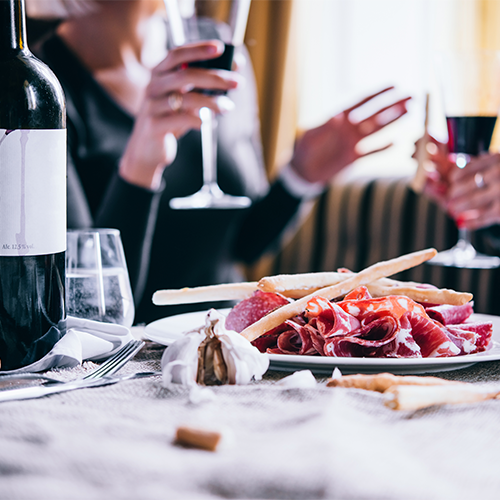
pixel 97 281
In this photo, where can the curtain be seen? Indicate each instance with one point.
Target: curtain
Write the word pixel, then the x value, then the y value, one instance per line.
pixel 270 40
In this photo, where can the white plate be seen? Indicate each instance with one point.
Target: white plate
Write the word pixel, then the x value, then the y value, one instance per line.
pixel 167 330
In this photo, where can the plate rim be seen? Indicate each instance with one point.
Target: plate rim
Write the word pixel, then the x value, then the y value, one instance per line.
pixel 329 362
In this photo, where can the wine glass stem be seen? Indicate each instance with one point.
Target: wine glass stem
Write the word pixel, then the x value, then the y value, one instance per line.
pixel 208 146
pixel 464 235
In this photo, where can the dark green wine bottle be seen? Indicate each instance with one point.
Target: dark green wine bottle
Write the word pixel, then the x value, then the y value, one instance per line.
pixel 32 197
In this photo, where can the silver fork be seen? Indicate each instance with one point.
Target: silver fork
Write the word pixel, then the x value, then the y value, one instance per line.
pixel 108 367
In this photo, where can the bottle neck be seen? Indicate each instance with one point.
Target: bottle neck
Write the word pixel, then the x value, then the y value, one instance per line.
pixel 12 26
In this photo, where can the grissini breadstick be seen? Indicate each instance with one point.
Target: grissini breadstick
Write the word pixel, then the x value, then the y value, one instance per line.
pixel 372 273
pixel 413 397
pixel 424 295
pixel 212 293
pixel 380 382
pixel 296 286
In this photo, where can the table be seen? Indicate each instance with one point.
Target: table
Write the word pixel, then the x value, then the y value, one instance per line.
pixel 116 442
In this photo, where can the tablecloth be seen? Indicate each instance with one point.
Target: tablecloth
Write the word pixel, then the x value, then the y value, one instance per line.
pixel 116 442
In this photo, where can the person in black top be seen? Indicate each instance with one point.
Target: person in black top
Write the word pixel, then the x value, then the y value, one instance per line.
pixel 134 143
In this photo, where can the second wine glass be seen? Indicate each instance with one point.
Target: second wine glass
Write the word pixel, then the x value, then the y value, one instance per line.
pixel 471 93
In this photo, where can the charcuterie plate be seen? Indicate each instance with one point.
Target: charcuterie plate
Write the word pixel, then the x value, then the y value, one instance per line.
pixel 167 330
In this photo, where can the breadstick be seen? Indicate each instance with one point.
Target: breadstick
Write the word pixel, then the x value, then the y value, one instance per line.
pixel 297 286
pixel 425 295
pixel 380 382
pixel 197 438
pixel 372 273
pixel 212 293
pixel 413 397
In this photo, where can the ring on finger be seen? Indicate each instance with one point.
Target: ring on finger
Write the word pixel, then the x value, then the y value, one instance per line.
pixel 174 101
pixel 479 180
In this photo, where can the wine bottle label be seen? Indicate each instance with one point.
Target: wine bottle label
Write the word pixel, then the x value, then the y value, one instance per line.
pixel 32 192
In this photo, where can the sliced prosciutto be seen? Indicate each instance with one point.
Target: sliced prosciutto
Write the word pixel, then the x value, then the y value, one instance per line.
pixel 431 337
pixel 368 309
pixel 471 337
pixel 450 315
pixel 362 326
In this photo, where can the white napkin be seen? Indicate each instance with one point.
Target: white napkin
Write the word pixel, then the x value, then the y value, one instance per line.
pixel 85 339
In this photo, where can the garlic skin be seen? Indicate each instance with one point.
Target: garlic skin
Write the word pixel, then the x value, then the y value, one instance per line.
pixel 180 360
pixel 187 360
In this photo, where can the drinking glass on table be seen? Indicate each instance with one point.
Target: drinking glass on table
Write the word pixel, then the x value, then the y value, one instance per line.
pixel 226 21
pixel 471 92
pixel 97 281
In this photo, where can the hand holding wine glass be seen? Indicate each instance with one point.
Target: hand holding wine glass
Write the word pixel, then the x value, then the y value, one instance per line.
pixel 194 28
pixel 472 98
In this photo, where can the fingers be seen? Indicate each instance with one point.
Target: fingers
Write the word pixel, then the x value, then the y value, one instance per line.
pixel 192 102
pixel 367 99
pixel 480 164
pixel 486 216
pixel 189 53
pixel 373 151
pixel 383 117
pixel 188 79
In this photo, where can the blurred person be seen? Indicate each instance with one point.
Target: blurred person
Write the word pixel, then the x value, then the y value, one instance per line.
pixel 134 143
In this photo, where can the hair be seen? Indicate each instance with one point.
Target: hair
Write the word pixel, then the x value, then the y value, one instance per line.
pixel 59 9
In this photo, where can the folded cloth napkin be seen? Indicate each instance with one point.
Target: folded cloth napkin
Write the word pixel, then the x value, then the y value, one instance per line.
pixel 85 339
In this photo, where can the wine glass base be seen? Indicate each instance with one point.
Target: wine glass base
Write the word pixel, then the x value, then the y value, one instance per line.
pixel 207 199
pixel 466 258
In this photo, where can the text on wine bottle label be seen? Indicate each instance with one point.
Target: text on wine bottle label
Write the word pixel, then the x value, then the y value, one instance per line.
pixel 32 192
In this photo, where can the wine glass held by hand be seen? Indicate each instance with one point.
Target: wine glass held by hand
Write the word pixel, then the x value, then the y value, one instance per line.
pixel 471 87
pixel 32 197
pixel 194 28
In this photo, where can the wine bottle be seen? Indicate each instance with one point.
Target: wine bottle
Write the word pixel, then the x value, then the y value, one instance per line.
pixel 32 197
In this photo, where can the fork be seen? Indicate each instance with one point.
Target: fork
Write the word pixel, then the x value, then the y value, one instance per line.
pixel 108 367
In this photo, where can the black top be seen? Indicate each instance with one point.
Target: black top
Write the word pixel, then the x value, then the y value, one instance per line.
pixel 167 248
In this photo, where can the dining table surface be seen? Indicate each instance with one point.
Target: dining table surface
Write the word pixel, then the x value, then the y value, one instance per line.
pixel 278 441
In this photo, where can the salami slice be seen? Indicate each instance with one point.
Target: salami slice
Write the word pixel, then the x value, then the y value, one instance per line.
pixel 250 310
pixel 450 315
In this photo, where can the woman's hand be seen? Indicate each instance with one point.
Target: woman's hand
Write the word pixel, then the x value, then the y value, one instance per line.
pixel 324 151
pixel 170 109
pixel 473 193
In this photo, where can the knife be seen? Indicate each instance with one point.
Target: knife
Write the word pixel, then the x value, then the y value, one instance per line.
pixel 41 391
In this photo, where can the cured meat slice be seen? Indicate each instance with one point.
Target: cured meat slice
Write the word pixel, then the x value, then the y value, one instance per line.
pixel 250 310
pixel 295 340
pixel 431 337
pixel 448 314
pixel 329 319
pixel 471 337
pixel 368 309
pixel 358 293
pixel 367 341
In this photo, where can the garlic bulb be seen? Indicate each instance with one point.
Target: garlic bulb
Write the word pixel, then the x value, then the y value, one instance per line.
pixel 213 356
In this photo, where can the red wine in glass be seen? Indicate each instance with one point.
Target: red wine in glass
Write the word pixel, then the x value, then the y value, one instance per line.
pixel 470 135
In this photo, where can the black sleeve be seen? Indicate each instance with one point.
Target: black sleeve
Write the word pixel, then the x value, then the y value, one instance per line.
pixel 130 209
pixel 264 223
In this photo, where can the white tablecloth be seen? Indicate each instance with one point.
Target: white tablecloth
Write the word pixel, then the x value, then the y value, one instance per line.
pixel 116 442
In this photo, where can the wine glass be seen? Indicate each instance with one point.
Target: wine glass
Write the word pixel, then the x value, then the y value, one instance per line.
pixel 471 93
pixel 190 27
pixel 97 281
